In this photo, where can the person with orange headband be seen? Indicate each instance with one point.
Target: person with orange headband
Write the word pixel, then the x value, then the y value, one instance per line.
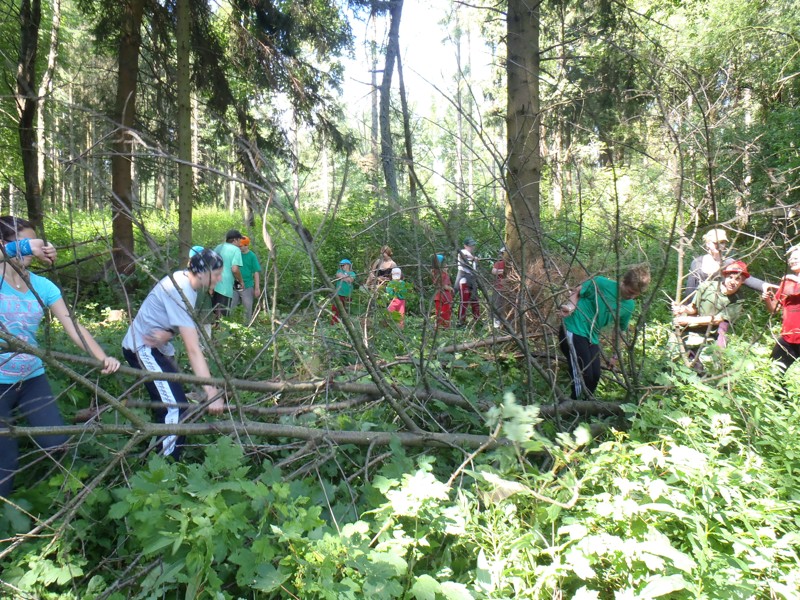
pixel 250 290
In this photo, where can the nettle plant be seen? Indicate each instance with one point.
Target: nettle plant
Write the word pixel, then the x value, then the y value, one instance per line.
pixel 696 500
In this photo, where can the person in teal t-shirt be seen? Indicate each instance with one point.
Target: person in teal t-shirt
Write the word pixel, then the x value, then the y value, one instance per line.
pixel 396 290
pixel 231 273
pixel 345 277
pixel 251 278
pixel 25 393
pixel 597 303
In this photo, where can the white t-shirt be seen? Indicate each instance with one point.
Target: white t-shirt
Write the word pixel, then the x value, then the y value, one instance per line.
pixel 165 309
pixel 467 264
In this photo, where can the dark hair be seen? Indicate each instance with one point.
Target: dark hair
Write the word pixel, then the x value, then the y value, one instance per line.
pixel 11 226
pixel 233 234
pixel 206 260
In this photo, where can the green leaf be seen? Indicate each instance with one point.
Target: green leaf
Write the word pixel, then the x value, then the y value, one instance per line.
pixel 223 456
pixel 456 591
pixel 118 510
pixel 425 588
pixel 483 574
pixel 663 585
pixel 268 578
pixel 156 545
pixel 394 561
pixel 379 588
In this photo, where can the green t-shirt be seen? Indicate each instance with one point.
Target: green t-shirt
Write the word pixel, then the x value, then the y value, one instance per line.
pixel 597 308
pixel 345 288
pixel 204 307
pixel 711 301
pixel 397 289
pixel 250 266
pixel 231 255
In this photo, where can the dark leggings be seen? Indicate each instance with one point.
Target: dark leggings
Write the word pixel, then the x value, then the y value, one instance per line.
pixel 583 358
pixel 31 399
pixel 169 395
pixel 785 353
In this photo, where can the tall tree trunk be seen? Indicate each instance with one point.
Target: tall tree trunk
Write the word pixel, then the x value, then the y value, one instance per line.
pixel 744 198
pixel 30 17
pixel 121 167
pixel 185 187
pixel 325 175
pixel 373 49
pixel 387 149
pixel 457 35
pixel 412 182
pixel 45 87
pixel 523 133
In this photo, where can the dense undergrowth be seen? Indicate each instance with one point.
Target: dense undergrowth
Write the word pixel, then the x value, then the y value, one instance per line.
pixel 692 495
pixel 694 498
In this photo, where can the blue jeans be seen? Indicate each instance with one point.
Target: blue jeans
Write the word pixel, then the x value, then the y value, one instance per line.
pixel 31 399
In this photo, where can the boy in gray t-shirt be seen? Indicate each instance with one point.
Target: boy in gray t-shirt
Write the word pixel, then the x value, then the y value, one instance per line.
pixel 167 310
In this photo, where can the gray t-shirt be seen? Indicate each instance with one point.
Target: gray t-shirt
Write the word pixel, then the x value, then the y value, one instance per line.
pixel 164 308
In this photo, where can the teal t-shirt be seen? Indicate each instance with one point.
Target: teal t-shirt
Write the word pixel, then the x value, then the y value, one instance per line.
pixel 597 308
pixel 231 255
pixel 345 288
pixel 250 266
pixel 21 313
pixel 397 289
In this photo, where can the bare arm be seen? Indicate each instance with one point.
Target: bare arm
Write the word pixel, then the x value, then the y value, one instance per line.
pixel 694 321
pixel 572 302
pixel 197 360
pixel 42 250
pixel 82 338
pixel 770 300
pixel 257 284
pixel 237 274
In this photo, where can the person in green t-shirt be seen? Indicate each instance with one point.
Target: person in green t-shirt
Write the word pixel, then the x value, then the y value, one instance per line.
pixel 715 306
pixel 251 279
pixel 345 277
pixel 396 290
pixel 596 304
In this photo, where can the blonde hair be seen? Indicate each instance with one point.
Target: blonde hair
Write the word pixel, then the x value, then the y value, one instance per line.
pixel 386 250
pixel 715 235
pixel 637 278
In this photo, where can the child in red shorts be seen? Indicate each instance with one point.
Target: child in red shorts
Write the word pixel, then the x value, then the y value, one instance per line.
pixel 443 298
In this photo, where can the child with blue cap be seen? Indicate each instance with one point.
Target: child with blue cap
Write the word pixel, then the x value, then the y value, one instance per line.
pixel 345 277
pixel 443 298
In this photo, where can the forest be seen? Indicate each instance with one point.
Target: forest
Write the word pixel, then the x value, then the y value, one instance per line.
pixel 361 451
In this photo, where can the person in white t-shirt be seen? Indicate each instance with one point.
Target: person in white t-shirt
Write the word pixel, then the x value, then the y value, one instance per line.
pixel 466 282
pixel 167 310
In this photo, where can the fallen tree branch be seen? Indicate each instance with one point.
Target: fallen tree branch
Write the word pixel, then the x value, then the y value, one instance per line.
pixel 271 430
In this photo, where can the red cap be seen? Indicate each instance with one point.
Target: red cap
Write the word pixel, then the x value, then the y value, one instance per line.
pixel 736 267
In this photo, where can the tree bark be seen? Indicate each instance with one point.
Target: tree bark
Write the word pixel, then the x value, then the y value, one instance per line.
pixel 125 116
pixel 523 133
pixel 45 87
pixel 373 49
pixel 412 180
pixel 185 183
pixel 387 147
pixel 30 16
